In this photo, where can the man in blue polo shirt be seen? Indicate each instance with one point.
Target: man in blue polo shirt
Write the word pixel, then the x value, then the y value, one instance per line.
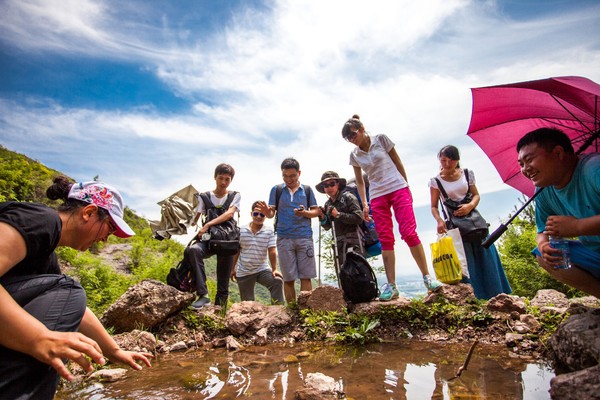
pixel 294 204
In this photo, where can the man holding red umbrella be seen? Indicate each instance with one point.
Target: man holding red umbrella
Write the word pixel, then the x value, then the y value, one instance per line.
pixel 569 205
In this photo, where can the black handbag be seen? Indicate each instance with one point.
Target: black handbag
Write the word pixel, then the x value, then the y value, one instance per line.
pixel 473 227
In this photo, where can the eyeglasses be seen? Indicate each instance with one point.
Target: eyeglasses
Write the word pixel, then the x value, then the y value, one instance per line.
pixel 350 137
pixel 256 214
pixel 330 184
pixel 112 228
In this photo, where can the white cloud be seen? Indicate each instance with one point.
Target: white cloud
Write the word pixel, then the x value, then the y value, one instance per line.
pixel 281 82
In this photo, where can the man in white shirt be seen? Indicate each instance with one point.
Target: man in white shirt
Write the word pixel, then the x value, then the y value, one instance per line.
pixel 257 241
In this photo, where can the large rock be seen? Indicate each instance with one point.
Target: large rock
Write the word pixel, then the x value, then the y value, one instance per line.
pixel 251 316
pixel 318 386
pixel 458 294
pixel 145 305
pixel 506 303
pixel 327 298
pixel 576 342
pixel 136 340
pixel 374 307
pixel 578 385
pixel 550 297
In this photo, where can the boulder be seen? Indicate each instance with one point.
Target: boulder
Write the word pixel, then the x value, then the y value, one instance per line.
pixel 506 303
pixel 550 297
pixel 318 386
pixel 144 306
pixel 459 294
pixel 327 298
pixel 576 385
pixel 136 340
pixel 374 307
pixel 251 316
pixel 576 342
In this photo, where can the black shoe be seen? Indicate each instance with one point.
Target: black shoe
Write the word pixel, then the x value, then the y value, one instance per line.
pixel 201 302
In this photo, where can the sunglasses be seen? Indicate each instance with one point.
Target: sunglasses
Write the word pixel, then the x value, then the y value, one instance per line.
pixel 256 214
pixel 330 184
pixel 350 137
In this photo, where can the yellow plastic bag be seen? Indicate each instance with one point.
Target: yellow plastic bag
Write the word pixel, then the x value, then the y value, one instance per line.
pixel 445 260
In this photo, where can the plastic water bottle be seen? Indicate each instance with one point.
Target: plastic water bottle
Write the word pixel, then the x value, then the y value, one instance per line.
pixel 562 244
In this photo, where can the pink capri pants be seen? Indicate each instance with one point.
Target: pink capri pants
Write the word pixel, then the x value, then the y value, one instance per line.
pixel 401 202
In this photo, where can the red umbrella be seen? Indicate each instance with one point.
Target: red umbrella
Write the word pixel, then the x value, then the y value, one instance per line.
pixel 502 114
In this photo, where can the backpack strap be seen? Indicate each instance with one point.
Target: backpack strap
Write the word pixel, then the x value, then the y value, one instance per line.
pixel 230 196
pixel 208 204
pixel 205 196
pixel 278 191
pixel 308 191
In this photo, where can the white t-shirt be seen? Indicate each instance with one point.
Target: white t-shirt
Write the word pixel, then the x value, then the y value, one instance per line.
pixel 383 175
pixel 219 201
pixel 456 190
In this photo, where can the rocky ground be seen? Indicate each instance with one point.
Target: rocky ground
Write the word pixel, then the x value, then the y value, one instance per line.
pixel 526 327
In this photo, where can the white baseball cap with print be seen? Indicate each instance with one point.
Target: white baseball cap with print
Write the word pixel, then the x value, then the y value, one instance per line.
pixel 106 197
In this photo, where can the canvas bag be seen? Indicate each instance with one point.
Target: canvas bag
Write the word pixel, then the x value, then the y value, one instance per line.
pixel 473 227
pixel 357 278
pixel 445 261
pixel 460 250
pixel 224 237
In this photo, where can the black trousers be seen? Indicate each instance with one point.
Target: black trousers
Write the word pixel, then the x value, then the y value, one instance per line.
pixel 194 256
pixel 59 303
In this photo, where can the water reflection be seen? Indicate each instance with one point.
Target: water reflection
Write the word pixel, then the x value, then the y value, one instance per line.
pixel 384 371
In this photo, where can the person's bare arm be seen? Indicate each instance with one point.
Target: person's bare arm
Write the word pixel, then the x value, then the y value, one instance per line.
pixel 568 226
pixel 398 163
pixel 92 327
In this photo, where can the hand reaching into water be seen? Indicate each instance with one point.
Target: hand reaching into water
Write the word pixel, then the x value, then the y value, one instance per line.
pixel 52 347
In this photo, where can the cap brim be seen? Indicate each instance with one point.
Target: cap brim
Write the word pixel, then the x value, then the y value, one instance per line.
pixel 123 230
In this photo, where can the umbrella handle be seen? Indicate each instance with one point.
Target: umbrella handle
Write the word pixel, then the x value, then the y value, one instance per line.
pixel 494 236
pixel 504 227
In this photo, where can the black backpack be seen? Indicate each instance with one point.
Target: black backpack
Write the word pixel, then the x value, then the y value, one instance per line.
pixel 358 280
pixel 224 237
pixel 181 278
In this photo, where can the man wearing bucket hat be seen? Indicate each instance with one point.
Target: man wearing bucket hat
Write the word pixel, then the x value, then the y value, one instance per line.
pixel 342 210
pixel 44 320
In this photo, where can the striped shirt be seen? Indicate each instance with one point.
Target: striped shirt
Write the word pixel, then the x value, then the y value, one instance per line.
pixel 253 256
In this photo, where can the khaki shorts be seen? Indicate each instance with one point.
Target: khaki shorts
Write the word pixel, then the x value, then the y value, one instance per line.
pixel 296 259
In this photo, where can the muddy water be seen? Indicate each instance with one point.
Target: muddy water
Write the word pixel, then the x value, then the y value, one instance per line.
pixel 382 371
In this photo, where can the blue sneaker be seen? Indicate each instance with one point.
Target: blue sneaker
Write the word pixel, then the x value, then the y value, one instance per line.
pixel 431 284
pixel 389 292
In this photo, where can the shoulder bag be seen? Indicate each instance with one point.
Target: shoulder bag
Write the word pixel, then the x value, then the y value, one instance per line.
pixel 473 227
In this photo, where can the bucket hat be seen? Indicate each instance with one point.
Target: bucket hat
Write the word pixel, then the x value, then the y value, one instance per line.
pixel 327 176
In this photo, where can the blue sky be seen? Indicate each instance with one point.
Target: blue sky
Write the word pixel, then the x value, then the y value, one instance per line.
pixel 152 95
